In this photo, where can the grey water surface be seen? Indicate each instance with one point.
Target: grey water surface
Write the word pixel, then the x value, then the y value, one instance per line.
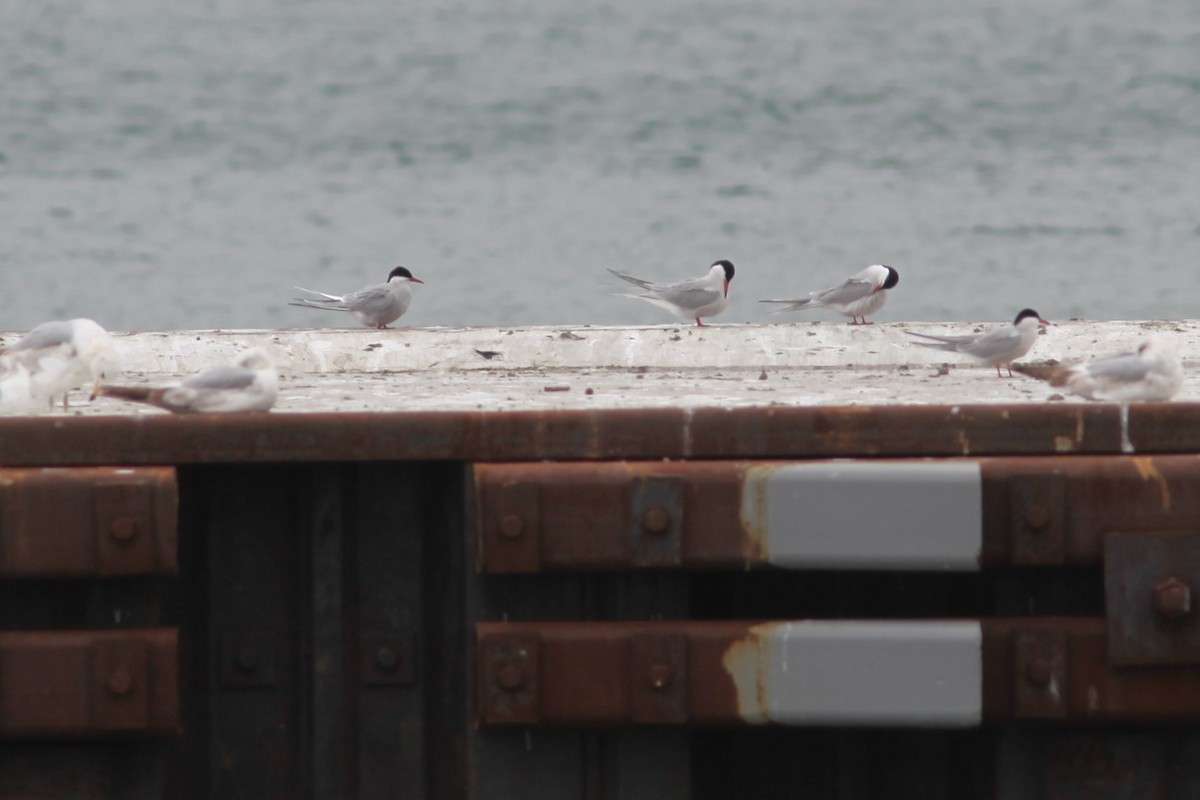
pixel 183 165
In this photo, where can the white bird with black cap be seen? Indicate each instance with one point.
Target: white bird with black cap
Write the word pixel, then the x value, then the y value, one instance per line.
pixel 856 297
pixel 375 306
pixel 688 299
pixel 995 348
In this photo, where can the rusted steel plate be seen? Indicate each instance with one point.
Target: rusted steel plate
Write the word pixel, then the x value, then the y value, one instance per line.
pixel 957 514
pixel 88 522
pixel 1151 582
pixel 810 432
pixel 931 673
pixel 88 684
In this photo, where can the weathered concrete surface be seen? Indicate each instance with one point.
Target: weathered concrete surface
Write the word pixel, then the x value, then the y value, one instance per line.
pixel 809 363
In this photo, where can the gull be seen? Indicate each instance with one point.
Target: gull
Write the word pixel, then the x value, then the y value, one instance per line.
pixel 857 296
pixel 63 355
pixel 249 384
pixel 14 387
pixel 1153 372
pixel 374 306
pixel 688 299
pixel 999 347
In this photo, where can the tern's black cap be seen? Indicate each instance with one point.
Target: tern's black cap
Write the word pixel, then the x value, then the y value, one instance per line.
pixel 893 277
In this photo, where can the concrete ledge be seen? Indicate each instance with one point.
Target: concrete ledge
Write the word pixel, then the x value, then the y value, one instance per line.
pixel 545 368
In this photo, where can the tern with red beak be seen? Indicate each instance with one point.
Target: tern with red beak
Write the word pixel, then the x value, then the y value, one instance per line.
pixel 995 348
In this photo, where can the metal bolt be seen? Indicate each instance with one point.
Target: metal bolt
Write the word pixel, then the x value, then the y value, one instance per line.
pixel 122 528
pixel 120 682
pixel 511 526
pixel 659 676
pixel 248 657
pixel 1039 671
pixel 386 658
pixel 656 519
pixel 1037 517
pixel 1172 598
pixel 510 676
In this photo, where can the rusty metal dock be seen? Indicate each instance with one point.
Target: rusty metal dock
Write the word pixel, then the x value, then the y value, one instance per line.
pixel 597 563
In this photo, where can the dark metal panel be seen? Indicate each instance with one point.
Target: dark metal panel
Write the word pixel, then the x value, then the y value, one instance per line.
pixel 387 507
pixel 329 756
pixel 1150 581
pixel 243 523
pixel 809 432
pixel 93 522
pixel 657 514
pixel 114 770
pixel 85 684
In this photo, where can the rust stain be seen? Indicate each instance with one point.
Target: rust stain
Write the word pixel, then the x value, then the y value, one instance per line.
pixel 746 662
pixel 1149 472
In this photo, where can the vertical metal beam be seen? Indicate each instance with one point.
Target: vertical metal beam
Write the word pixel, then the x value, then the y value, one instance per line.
pixel 385 566
pixel 245 520
pixel 325 636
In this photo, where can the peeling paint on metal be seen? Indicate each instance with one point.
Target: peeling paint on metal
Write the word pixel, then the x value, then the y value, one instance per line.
pixel 743 661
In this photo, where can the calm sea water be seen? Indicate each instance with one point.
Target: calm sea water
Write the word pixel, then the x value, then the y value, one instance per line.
pixel 182 165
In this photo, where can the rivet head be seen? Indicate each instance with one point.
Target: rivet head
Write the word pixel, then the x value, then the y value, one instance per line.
pixel 659 676
pixel 1037 517
pixel 386 658
pixel 656 519
pixel 511 526
pixel 122 528
pixel 120 682
pixel 1172 598
pixel 248 658
pixel 1039 671
pixel 511 677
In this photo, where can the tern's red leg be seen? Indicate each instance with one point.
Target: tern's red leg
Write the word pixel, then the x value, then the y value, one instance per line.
pixel 701 324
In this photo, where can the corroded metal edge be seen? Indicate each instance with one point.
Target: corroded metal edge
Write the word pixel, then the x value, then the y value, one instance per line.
pixel 878 431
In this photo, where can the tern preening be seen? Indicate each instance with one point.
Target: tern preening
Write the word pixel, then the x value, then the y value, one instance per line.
pixel 1154 371
pixel 688 299
pixel 856 297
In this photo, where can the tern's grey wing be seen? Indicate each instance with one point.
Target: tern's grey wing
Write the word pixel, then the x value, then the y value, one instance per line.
pixel 853 289
pixel 48 334
pixel 1120 368
pixel 688 294
pixel 996 344
pixel 372 300
pixel 221 378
